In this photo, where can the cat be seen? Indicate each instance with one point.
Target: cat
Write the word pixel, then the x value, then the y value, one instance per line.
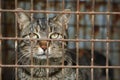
pixel 46 50
pixel 41 45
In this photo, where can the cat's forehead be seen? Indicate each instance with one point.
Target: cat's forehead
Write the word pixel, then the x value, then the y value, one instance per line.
pixel 49 24
pixel 43 26
pixel 42 23
pixel 57 24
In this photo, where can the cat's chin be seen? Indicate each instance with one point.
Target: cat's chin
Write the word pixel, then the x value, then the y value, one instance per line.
pixel 45 56
pixel 41 56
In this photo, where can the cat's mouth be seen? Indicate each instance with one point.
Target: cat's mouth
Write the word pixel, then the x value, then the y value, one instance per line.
pixel 46 56
pixel 41 53
pixel 42 56
pixel 48 53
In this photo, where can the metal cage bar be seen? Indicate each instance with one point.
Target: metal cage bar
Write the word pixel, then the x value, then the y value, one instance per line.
pixel 76 36
pixel 31 56
pixel 46 14
pixel 63 7
pixel 0 44
pixel 108 35
pixel 72 40
pixel 56 66
pixel 16 36
pixel 59 12
pixel 92 37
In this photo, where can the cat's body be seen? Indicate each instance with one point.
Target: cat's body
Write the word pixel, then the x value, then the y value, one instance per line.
pixel 98 60
pixel 41 73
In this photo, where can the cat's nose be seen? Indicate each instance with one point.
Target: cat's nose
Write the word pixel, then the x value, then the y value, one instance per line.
pixel 43 45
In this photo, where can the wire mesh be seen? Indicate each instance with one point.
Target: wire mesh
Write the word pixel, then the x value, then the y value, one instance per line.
pixel 79 22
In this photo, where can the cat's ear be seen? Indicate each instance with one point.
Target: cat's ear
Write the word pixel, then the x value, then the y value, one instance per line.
pixel 23 19
pixel 63 18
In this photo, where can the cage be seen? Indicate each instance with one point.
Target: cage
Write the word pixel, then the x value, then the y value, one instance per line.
pixel 93 32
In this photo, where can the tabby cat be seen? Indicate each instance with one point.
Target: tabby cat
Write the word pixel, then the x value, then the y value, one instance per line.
pixel 42 46
pixel 44 52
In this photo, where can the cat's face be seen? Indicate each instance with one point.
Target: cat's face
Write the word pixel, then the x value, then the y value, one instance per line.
pixel 41 30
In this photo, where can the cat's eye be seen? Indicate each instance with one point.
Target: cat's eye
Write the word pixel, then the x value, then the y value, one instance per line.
pixel 33 35
pixel 27 36
pixel 55 36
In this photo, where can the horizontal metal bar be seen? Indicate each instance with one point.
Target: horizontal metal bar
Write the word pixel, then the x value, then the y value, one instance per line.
pixel 56 12
pixel 71 40
pixel 59 66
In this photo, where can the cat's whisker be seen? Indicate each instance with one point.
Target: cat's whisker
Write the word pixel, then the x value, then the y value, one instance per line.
pixel 21 57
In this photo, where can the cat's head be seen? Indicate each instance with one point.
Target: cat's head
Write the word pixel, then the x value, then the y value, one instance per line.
pixel 42 29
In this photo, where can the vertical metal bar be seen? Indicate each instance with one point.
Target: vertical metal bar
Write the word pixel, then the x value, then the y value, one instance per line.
pixel 47 44
pixel 63 4
pixel 16 45
pixel 31 56
pixel 0 44
pixel 92 43
pixel 77 43
pixel 107 43
pixel 63 31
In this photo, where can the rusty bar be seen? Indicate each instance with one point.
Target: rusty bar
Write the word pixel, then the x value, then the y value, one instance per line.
pixel 58 66
pixel 31 56
pixel 92 37
pixel 63 4
pixel 0 44
pixel 16 33
pixel 31 3
pixel 77 37
pixel 56 12
pixel 48 32
pixel 107 43
pixel 47 44
pixel 63 31
pixel 72 40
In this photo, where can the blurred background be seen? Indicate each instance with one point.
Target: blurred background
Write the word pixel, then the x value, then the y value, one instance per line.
pixel 102 28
